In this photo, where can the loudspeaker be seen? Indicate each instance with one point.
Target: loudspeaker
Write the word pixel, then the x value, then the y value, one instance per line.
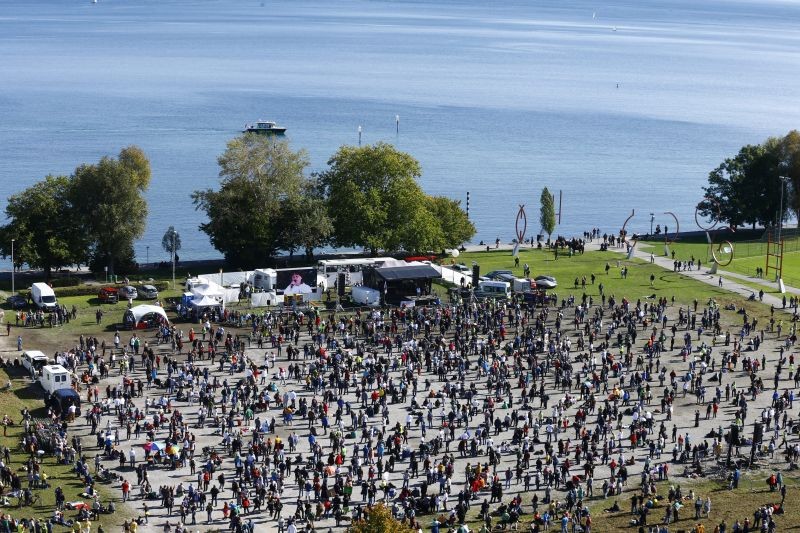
pixel 758 432
pixel 341 283
pixel 476 275
pixel 734 435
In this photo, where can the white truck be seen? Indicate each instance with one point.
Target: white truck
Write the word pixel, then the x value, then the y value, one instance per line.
pixel 43 296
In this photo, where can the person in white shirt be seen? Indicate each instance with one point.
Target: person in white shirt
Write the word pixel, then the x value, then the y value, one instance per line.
pixel 297 286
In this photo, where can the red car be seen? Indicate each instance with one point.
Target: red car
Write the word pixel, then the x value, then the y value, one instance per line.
pixel 108 295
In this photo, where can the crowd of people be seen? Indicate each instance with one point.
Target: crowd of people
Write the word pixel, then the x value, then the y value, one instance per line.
pixel 516 411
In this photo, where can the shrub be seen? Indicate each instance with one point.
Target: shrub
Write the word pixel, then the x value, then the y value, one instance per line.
pixel 68 281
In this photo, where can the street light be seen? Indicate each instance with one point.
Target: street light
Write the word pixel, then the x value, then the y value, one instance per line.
pixel 652 218
pixel 359 135
pixel 784 180
pixel 174 240
pixel 148 255
pixel 12 266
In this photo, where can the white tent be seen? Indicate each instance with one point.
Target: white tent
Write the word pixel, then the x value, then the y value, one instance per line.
pixel 263 299
pixel 205 301
pixel 141 311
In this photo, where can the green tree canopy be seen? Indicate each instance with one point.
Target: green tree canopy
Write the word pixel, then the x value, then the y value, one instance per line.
pixel 358 186
pixel 108 200
pixel 746 188
pixel 378 519
pixel 171 241
pixel 547 212
pixel 42 225
pixel 306 223
pixel 457 228
pixel 262 179
pixel 790 166
pixel 375 202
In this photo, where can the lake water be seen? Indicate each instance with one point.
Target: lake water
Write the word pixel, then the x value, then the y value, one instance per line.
pixel 619 104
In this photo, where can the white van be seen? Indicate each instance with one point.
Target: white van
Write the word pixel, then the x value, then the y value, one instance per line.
pixel 33 361
pixel 43 296
pixel 493 289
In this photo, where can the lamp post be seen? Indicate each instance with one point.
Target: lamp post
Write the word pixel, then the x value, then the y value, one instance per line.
pixel 174 240
pixel 359 135
pixel 148 255
pixel 778 279
pixel 12 266
pixel 397 124
pixel 652 218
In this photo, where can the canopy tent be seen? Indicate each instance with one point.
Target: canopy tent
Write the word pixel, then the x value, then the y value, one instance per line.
pixel 135 315
pixel 211 289
pixel 205 301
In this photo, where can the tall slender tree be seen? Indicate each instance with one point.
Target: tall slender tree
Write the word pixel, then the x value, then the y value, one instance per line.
pixel 547 212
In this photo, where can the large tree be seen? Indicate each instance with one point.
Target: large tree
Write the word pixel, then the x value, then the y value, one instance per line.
pixel 457 228
pixel 108 200
pixel 790 167
pixel 375 202
pixel 379 519
pixel 262 179
pixel 306 223
pixel 358 186
pixel 547 212
pixel 42 225
pixel 745 189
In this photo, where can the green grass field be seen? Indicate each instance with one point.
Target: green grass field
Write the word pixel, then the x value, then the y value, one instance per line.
pixel 727 505
pixel 747 256
pixel 23 394
pixel 637 285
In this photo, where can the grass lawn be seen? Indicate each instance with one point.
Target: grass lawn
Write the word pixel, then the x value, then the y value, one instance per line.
pixel 24 394
pixel 637 285
pixel 748 256
pixel 728 505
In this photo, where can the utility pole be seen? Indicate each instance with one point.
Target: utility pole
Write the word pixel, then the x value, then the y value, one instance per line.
pixel 778 272
pixel 174 240
pixel 12 267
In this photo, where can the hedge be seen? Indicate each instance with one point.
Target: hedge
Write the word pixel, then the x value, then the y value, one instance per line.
pixel 92 290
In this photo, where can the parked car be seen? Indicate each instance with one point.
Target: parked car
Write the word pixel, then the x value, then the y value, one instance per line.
pixel 17 301
pixel 128 291
pixel 494 275
pixel 109 295
pixel 461 267
pixel 546 282
pixel 148 292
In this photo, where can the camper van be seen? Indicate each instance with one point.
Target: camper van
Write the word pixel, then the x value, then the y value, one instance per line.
pixel 493 289
pixel 60 396
pixel 43 296
pixel 33 361
pixel 55 377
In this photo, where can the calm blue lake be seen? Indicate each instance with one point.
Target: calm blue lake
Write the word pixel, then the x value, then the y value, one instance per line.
pixel 619 104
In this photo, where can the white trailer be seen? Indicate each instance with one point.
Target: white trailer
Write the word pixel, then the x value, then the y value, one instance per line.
pixel 55 377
